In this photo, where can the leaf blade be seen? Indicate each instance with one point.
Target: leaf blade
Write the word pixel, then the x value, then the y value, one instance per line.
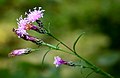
pixel 74 45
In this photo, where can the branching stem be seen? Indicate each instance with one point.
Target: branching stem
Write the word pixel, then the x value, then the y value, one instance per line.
pixel 73 52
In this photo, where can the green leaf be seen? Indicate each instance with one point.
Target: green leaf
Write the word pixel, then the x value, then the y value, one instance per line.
pixel 45 56
pixel 74 46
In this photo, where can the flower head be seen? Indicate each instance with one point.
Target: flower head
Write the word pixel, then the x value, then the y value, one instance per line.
pixel 27 23
pixel 24 35
pixel 58 61
pixel 34 15
pixel 24 23
pixel 20 32
pixel 19 52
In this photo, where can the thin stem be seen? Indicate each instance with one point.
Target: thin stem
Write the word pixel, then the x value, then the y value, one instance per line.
pixel 69 49
pixel 93 67
pixel 82 66
pixel 60 41
pixel 66 51
pixel 55 48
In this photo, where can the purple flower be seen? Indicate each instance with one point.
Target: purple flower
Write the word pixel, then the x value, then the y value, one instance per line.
pixel 24 35
pixel 20 32
pixel 58 61
pixel 22 22
pixel 32 16
pixel 25 24
pixel 32 39
pixel 19 52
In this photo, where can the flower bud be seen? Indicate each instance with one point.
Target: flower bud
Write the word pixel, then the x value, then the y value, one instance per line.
pixel 19 52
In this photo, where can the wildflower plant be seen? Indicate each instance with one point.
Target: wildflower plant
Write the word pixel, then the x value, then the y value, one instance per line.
pixel 27 23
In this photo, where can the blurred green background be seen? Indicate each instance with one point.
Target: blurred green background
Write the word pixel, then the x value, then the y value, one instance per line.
pixel 100 19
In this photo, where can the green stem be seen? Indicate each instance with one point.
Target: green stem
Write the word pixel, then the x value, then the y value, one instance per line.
pixel 55 48
pixel 59 41
pixel 93 67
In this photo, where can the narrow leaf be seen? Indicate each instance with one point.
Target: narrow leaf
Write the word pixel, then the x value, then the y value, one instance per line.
pixel 49 27
pixel 74 46
pixel 45 56
pixel 89 74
